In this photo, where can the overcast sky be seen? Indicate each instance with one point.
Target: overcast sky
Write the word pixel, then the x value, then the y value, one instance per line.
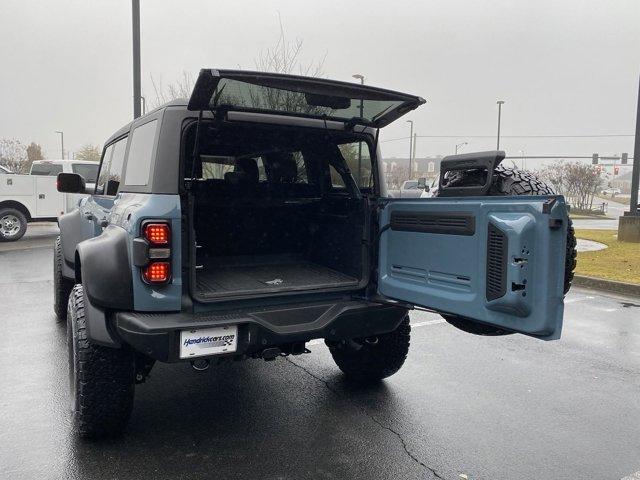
pixel 563 66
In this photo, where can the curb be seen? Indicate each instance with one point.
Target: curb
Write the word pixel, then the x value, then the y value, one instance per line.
pixel 611 286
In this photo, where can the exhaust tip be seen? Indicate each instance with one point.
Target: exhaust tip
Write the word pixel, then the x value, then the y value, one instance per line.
pixel 200 365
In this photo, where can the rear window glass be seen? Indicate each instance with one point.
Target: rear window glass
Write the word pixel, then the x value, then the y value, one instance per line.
pixel 88 172
pixel 140 152
pixel 248 96
pixel 46 169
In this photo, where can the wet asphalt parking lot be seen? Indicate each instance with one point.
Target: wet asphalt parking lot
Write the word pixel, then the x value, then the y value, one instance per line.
pixel 489 408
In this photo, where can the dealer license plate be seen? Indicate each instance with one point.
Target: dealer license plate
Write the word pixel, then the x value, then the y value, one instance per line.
pixel 208 341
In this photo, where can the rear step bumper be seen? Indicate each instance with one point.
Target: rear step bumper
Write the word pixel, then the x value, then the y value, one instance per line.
pixel 158 334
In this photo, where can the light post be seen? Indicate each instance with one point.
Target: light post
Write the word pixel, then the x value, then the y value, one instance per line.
pixel 360 77
pixel 524 163
pixel 500 103
pixel 61 142
pixel 410 146
pixel 460 145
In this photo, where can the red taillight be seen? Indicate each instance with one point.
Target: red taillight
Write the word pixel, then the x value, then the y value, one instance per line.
pixel 157 233
pixel 157 272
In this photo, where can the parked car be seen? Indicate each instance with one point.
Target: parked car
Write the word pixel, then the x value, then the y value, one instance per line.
pixel 34 197
pixel 430 190
pixel 611 191
pixel 230 227
pixel 409 189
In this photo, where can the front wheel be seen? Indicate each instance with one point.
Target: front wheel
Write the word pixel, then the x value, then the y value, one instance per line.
pixel 13 224
pixel 368 360
pixel 101 379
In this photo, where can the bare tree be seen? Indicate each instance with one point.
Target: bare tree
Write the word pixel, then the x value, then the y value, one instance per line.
pixel 283 57
pixel 89 153
pixel 577 181
pixel 181 88
pixel 13 155
pixel 34 152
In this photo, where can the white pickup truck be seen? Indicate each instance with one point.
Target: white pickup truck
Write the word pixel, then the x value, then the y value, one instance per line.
pixel 35 197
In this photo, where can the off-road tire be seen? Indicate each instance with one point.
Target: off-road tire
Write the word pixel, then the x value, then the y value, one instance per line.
pixel 371 360
pixel 102 379
pixel 61 286
pixel 20 218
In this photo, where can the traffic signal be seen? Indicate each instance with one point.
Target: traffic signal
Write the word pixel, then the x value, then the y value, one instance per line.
pixel 616 169
pixel 594 159
pixel 625 158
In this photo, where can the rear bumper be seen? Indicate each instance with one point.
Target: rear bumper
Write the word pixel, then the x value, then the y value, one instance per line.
pixel 158 334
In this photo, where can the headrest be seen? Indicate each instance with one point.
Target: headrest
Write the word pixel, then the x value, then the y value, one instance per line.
pixel 248 166
pixel 235 178
pixel 282 168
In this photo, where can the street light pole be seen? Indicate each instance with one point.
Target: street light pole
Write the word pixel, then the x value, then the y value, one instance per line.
pixel 135 18
pixel 460 145
pixel 524 162
pixel 410 146
pixel 361 78
pixel 61 142
pixel 500 103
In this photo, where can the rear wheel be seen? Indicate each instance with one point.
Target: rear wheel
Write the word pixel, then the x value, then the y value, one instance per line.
pixel 511 181
pixel 101 379
pixel 368 360
pixel 61 286
pixel 13 224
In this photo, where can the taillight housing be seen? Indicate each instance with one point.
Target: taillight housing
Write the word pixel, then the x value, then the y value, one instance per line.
pixel 157 272
pixel 156 257
pixel 157 233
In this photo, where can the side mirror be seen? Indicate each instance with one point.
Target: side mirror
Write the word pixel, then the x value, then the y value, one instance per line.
pixel 422 183
pixel 70 183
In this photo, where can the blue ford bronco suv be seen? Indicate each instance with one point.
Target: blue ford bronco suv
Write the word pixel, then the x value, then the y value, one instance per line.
pixel 254 217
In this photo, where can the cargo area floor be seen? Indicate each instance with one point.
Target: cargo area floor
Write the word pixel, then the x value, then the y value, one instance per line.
pixel 266 275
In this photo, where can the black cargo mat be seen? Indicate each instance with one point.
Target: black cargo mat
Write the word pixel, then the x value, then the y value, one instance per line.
pixel 217 280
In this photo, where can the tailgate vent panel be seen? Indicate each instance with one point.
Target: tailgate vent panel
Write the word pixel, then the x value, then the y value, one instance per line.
pixel 497 253
pixel 442 223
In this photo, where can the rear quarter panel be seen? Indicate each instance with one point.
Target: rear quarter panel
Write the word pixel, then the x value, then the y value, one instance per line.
pixel 129 211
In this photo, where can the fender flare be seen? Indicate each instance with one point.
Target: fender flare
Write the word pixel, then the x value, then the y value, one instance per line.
pixel 70 225
pixel 105 273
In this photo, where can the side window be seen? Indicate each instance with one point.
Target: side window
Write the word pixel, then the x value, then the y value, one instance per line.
pixel 47 169
pixel 140 150
pixel 111 168
pixel 358 159
pixel 336 179
pixel 214 167
pixel 104 169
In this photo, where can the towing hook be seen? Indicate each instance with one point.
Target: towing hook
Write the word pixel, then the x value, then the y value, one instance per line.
pixel 201 364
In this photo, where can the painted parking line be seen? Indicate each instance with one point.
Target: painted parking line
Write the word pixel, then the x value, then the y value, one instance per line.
pixel 578 299
pixel 428 322
pixel 319 341
pixel 633 476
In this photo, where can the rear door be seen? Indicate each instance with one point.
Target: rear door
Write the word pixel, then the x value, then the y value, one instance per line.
pixel 495 260
pixel 296 95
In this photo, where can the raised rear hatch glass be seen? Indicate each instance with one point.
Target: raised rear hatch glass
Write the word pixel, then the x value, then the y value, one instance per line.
pixel 299 96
